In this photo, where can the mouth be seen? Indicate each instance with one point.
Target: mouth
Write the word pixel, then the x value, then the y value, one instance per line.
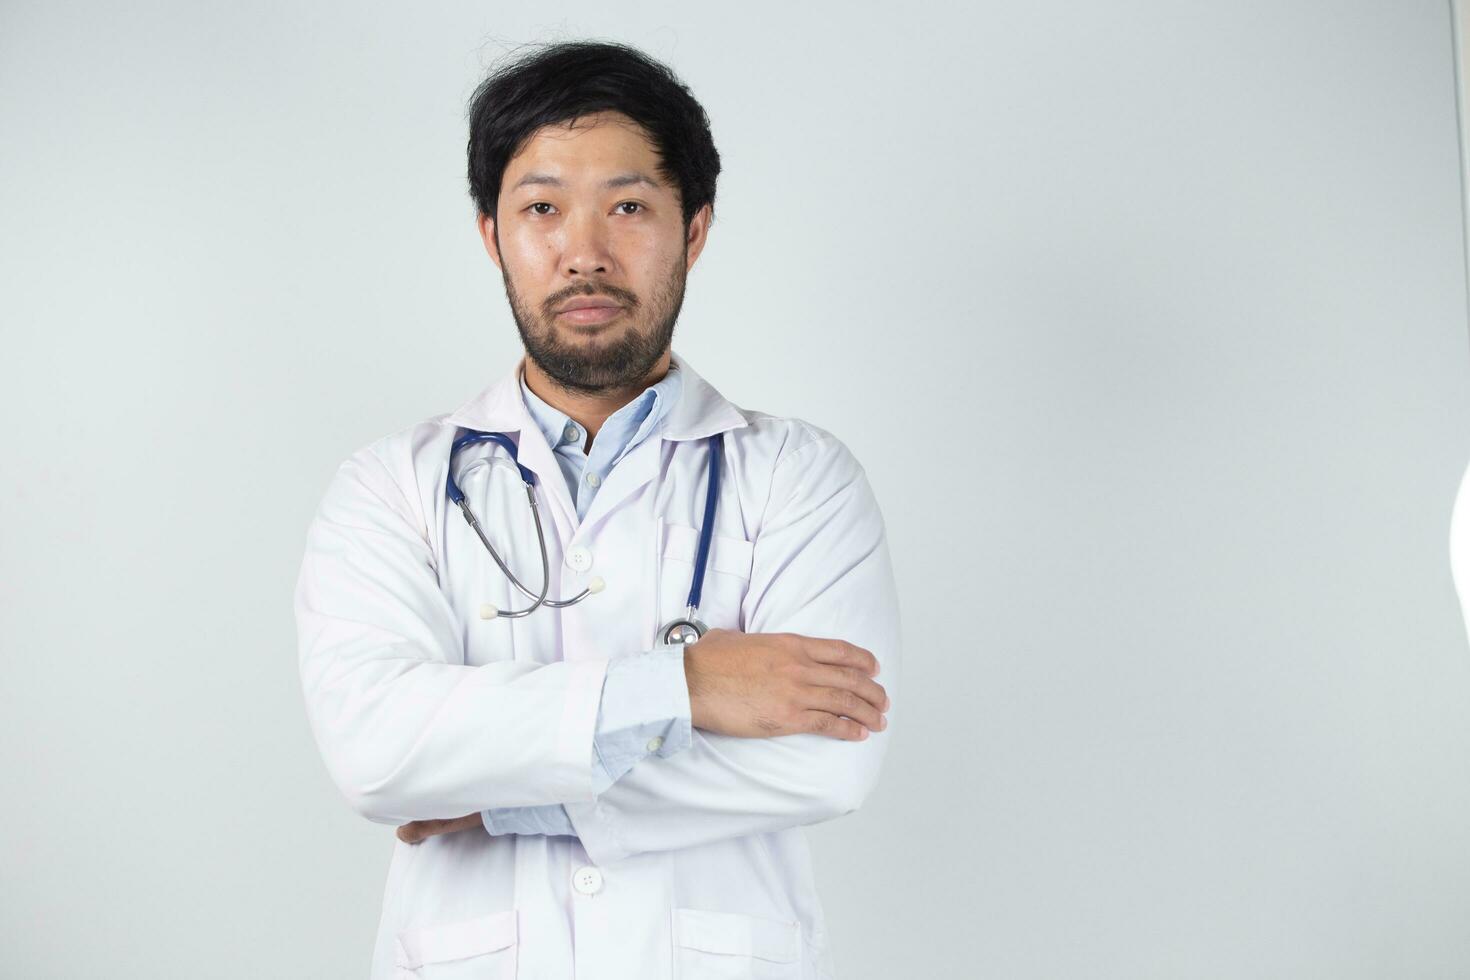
pixel 590 315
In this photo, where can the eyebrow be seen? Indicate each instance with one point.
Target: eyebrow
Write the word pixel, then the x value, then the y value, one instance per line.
pixel 620 180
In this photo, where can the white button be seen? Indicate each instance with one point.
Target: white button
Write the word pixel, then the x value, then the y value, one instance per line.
pixel 587 880
pixel 571 433
pixel 655 743
pixel 593 479
pixel 579 558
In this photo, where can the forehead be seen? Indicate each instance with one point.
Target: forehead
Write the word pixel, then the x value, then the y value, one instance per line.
pixel 583 149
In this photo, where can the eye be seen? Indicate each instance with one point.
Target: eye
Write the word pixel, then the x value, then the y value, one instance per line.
pixel 537 204
pixel 635 204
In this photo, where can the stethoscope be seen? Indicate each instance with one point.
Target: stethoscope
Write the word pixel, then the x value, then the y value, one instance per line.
pixel 685 629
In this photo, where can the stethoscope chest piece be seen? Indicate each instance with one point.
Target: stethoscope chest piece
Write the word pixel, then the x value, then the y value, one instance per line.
pixel 686 630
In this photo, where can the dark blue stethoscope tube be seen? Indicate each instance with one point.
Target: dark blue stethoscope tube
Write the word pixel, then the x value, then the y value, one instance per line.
pixel 470 438
pixel 711 496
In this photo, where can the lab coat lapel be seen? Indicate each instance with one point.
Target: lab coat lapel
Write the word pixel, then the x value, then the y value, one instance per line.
pixel 501 408
pixel 701 411
pixel 631 473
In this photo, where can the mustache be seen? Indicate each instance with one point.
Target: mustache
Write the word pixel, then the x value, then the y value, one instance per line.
pixel 620 296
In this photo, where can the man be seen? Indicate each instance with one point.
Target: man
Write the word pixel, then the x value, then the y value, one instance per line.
pixel 576 795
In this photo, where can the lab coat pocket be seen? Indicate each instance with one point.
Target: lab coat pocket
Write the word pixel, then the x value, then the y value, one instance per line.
pixel 726 577
pixel 734 946
pixel 483 948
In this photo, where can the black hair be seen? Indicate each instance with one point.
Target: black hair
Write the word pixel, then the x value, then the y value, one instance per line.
pixel 566 80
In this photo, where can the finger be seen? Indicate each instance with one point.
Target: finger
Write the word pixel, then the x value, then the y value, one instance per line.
pixel 852 679
pixel 420 829
pixel 841 701
pixel 842 654
pixel 826 723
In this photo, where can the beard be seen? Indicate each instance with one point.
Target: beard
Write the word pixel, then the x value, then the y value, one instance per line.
pixel 597 365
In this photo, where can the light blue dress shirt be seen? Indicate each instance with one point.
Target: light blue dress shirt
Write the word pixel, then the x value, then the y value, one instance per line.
pixel 645 698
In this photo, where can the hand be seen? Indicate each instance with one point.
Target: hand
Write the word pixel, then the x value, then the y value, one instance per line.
pixel 416 831
pixel 756 685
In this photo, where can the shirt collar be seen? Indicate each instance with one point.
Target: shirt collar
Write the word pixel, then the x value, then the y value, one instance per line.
pixel 699 411
pixel 623 429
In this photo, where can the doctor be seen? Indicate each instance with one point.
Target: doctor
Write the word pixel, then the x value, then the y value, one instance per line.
pixel 574 796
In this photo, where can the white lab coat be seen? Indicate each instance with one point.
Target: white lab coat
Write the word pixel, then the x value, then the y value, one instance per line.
pixel 690 866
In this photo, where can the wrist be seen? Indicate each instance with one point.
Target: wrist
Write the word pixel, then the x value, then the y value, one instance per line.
pixel 690 673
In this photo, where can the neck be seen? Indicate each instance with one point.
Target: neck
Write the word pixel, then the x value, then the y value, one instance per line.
pixel 590 409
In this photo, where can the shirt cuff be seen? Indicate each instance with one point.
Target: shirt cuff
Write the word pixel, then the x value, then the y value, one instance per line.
pixel 644 711
pixel 550 819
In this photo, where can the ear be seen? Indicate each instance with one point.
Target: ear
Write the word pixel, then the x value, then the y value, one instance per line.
pixel 486 224
pixel 698 234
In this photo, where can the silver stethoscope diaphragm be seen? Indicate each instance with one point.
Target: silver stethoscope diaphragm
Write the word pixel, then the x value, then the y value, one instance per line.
pixel 685 630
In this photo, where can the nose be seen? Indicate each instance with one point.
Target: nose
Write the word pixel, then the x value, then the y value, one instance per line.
pixel 586 249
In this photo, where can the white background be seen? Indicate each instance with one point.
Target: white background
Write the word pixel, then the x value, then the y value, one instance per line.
pixel 1147 320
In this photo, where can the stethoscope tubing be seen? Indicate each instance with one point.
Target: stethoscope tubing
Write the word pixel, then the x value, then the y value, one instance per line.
pixel 706 530
pixel 706 526
pixel 540 598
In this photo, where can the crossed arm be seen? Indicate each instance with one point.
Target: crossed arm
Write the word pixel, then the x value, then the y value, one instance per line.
pixel 409 734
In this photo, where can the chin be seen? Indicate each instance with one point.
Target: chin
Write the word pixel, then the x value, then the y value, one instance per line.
pixel 599 331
